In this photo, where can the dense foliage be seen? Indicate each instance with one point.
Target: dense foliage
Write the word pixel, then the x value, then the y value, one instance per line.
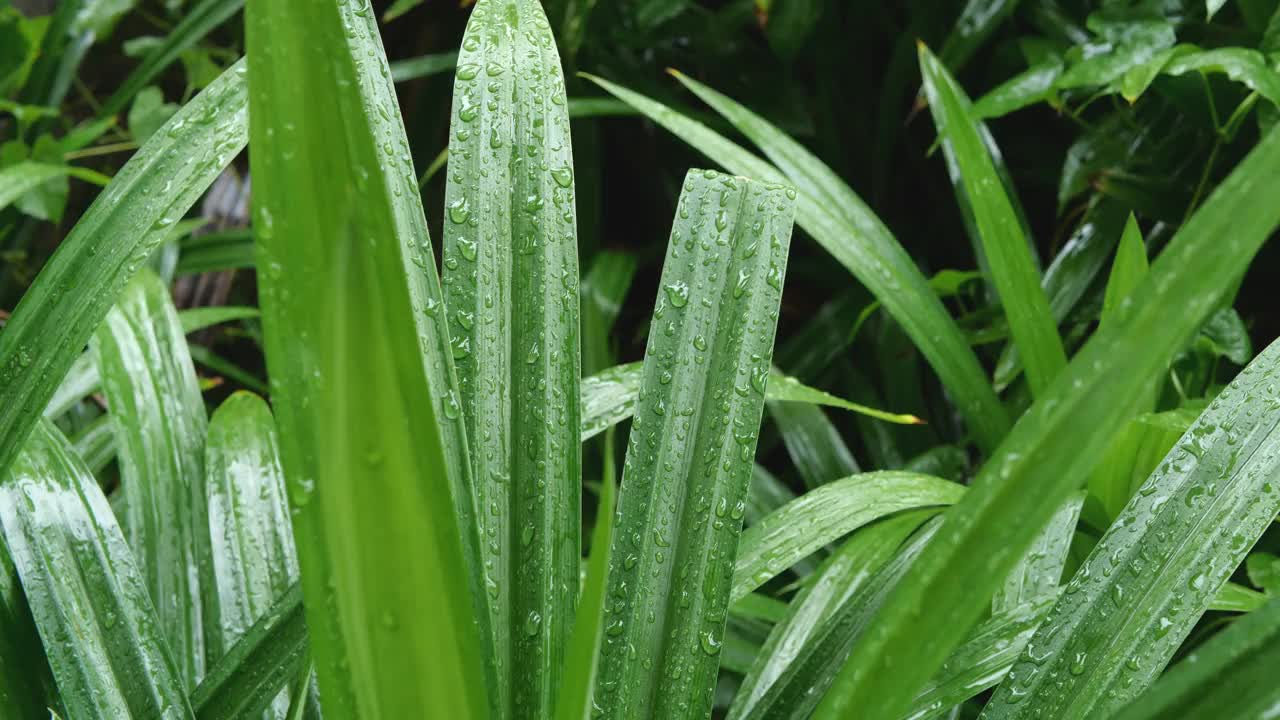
pixel 991 436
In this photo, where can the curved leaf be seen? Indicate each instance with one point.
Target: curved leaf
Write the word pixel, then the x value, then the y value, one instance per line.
pixel 88 598
pixel 692 443
pixel 50 326
pixel 843 575
pixel 820 516
pixel 1004 244
pixel 159 423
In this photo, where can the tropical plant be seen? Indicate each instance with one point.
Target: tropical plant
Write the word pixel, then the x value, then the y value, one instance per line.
pixel 428 518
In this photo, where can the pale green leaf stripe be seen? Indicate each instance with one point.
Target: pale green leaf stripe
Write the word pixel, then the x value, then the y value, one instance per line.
pixel 945 592
pixel 838 219
pixel 158 420
pixel 982 661
pixel 840 577
pixel 511 292
pixel 89 600
pixel 1230 676
pixel 269 655
pixel 1037 574
pixel 200 20
pixel 251 540
pixel 692 443
pixel 820 516
pixel 1008 254
pixel 364 389
pixel 609 397
pixel 1153 575
pixel 52 324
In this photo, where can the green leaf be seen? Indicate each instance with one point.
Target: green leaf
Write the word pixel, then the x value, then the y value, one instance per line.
pixel 841 576
pixel 1012 498
pixel 845 226
pixel 1134 452
pixel 977 21
pixel 1005 245
pixel 71 295
pixel 609 397
pixel 1120 43
pixel 159 423
pixel 1033 85
pixel 801 684
pixel 573 702
pixel 253 556
pixel 1237 598
pixel 1245 66
pixel 1127 271
pixel 88 599
pixel 604 288
pixel 813 443
pixel 982 660
pixel 423 66
pixel 81 380
pixel 96 444
pixel 201 20
pixel 511 292
pixel 398 8
pixel 1230 676
pixel 1213 6
pixel 824 515
pixel 223 250
pixel 194 319
pixel 1154 573
pixel 250 676
pixel 692 444
pixel 364 389
pixel 1037 575
pixel 148 112
pixel 1264 571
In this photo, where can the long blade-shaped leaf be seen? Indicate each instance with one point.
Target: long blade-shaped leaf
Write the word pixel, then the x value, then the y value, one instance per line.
pixel 158 420
pixel 838 219
pixel 1066 430
pixel 1231 676
pixel 692 444
pixel 1156 571
pixel 269 655
pixel 253 557
pixel 88 598
pixel 820 516
pixel 840 578
pixel 609 397
pixel 800 685
pixel 59 313
pixel 370 432
pixel 1037 574
pixel 1008 254
pixel 982 660
pixel 511 290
